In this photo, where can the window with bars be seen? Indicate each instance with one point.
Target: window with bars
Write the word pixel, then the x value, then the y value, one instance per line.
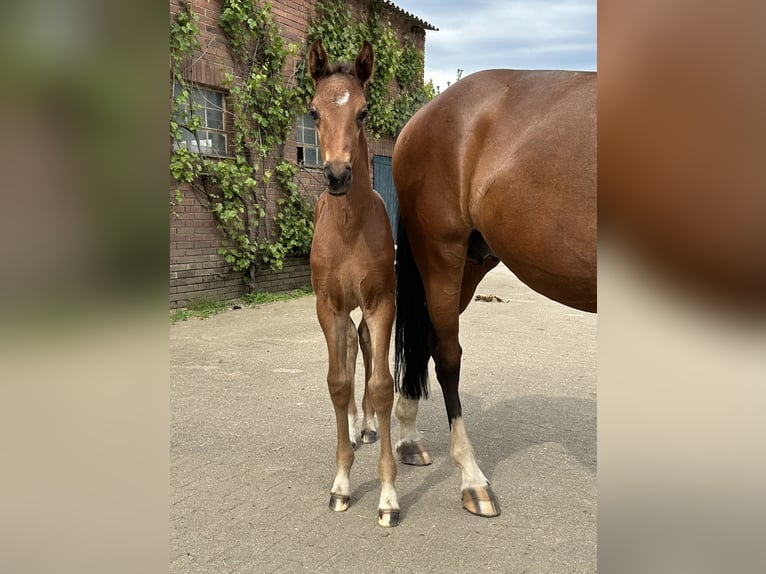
pixel 209 107
pixel 308 153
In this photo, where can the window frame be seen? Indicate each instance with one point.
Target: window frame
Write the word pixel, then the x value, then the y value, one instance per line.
pixel 206 133
pixel 305 125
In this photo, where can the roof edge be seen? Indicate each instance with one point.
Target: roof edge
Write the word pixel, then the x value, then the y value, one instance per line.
pixel 425 25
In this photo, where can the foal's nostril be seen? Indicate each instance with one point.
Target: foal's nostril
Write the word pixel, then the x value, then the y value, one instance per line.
pixel 337 175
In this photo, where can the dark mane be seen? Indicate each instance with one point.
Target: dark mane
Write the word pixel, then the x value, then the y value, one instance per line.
pixel 341 68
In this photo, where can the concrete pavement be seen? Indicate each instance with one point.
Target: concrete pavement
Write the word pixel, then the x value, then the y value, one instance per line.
pixel 253 443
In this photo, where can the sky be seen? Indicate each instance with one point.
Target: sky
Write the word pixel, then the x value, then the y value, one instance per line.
pixel 522 34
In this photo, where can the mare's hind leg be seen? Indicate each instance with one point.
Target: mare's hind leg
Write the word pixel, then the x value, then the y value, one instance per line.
pixel 410 447
pixel 340 385
pixel 479 261
pixel 381 388
pixel 369 428
pixel 440 271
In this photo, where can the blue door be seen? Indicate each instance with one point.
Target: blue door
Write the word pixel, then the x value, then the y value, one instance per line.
pixel 383 182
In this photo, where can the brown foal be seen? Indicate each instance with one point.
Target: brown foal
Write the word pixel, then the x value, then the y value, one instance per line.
pixel 352 265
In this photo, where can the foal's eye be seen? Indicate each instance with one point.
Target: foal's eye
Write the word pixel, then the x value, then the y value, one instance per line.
pixel 314 114
pixel 362 115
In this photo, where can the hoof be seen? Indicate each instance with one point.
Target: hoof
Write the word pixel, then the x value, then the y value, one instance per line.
pixel 369 436
pixel 414 453
pixel 339 502
pixel 481 501
pixel 388 518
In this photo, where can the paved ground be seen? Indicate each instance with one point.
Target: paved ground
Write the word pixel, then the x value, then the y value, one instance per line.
pixel 252 448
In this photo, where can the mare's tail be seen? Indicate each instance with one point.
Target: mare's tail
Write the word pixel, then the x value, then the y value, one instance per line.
pixel 413 324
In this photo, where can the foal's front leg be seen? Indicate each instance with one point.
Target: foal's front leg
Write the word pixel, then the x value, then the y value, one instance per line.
pixel 340 385
pixel 381 389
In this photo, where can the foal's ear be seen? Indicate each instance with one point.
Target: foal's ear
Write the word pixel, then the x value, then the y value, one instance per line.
pixel 364 63
pixel 319 67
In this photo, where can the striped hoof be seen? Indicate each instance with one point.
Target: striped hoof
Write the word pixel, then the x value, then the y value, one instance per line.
pixel 369 436
pixel 339 502
pixel 481 501
pixel 388 518
pixel 414 453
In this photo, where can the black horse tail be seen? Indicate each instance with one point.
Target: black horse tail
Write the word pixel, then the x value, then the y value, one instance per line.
pixel 413 324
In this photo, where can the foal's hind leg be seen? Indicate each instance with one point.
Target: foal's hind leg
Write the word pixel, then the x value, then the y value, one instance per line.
pixel 352 348
pixel 340 384
pixel 369 428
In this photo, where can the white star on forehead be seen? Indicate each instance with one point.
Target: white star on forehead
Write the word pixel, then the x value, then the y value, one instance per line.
pixel 342 99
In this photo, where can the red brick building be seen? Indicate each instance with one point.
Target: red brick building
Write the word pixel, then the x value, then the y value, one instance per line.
pixel 197 271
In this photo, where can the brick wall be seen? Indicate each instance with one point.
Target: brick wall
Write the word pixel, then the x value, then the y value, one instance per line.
pixel 197 271
pixel 295 274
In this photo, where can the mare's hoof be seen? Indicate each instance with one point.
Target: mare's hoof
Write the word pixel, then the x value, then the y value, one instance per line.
pixel 369 436
pixel 481 501
pixel 339 502
pixel 414 453
pixel 388 518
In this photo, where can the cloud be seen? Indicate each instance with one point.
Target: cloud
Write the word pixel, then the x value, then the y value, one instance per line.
pixel 527 34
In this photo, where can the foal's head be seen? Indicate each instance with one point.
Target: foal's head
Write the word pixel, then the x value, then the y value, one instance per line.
pixel 339 110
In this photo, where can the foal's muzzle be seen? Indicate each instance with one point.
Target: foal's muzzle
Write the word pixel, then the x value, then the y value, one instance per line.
pixel 337 176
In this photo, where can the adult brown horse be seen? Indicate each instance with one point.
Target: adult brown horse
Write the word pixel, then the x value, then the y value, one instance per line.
pixel 352 265
pixel 499 167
